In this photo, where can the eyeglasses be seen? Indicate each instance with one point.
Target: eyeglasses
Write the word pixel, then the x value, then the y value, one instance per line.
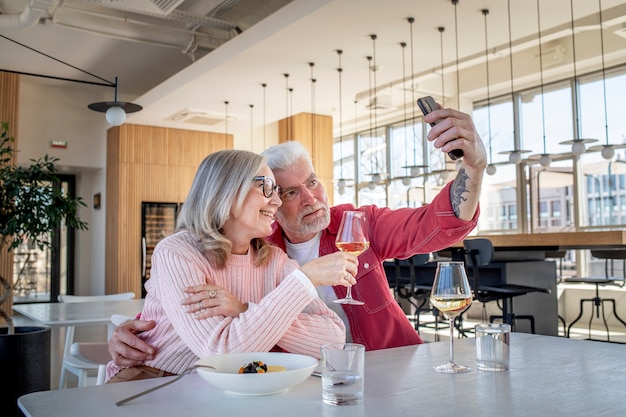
pixel 269 186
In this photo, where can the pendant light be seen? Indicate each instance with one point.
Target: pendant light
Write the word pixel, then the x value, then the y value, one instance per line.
pixel 578 145
pixel 607 150
pixel 341 183
pixel 115 111
pixel 544 158
pixel 515 156
pixel 491 168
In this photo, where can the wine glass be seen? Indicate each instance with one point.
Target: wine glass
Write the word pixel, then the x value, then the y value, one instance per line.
pixel 451 294
pixel 352 238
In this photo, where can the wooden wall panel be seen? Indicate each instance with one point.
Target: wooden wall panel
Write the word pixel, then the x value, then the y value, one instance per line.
pixel 315 132
pixel 9 93
pixel 146 163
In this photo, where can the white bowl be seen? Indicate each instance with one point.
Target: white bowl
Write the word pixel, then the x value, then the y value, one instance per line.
pixel 226 375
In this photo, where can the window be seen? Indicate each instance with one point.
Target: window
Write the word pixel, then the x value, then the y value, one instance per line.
pixel 549 197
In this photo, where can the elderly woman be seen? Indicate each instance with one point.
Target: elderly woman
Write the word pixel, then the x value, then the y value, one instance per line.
pixel 259 299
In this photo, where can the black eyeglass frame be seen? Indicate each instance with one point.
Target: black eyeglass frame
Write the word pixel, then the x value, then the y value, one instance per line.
pixel 273 187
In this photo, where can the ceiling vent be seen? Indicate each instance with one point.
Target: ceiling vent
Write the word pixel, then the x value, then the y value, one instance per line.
pixel 380 102
pixel 159 7
pixel 200 117
pixel 552 55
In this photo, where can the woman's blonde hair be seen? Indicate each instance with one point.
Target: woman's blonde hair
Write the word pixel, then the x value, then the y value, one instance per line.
pixel 219 187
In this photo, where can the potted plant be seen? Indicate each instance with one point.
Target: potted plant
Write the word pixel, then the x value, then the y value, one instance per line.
pixel 30 209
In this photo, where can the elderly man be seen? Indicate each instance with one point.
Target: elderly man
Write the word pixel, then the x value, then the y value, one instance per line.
pixel 306 228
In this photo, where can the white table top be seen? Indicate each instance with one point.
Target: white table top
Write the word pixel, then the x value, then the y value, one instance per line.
pixel 549 376
pixel 76 314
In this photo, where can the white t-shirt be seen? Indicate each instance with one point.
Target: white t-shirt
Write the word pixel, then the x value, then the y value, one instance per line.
pixel 306 252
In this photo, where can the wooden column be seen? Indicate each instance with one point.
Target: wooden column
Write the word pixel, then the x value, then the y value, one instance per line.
pixel 9 98
pixel 315 132
pixel 152 164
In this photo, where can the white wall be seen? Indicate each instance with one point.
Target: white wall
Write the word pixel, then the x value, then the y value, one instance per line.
pixel 58 111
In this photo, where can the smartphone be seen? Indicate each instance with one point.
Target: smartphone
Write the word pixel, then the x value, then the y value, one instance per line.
pixel 428 104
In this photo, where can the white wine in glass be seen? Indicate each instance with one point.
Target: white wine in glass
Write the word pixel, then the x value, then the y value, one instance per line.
pixel 451 294
pixel 352 238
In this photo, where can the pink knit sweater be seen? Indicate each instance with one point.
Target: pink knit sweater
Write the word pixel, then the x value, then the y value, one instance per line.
pixel 281 309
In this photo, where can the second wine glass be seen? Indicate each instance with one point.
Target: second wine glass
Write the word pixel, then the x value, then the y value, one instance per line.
pixel 352 237
pixel 451 294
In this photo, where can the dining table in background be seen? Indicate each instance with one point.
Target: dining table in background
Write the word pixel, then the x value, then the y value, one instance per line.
pixel 589 239
pixel 79 314
pixel 548 376
pixel 61 315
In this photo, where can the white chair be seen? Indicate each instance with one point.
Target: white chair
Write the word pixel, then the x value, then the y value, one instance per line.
pixel 71 363
pixel 97 353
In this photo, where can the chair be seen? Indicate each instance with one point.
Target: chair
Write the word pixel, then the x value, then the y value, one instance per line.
pixel 97 353
pixel 559 257
pixel 609 256
pixel 71 363
pixel 408 287
pixel 479 252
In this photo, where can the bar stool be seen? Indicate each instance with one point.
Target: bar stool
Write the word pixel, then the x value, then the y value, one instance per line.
pixel 597 302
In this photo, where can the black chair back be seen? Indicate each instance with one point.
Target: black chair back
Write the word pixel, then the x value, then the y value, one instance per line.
pixel 478 252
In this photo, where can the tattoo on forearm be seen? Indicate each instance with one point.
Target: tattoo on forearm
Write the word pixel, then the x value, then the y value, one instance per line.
pixel 457 190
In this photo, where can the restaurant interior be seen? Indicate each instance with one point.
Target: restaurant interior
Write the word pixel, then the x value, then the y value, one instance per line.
pixel 543 82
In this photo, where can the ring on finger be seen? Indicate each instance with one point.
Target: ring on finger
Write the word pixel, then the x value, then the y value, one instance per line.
pixel 212 294
pixel 199 304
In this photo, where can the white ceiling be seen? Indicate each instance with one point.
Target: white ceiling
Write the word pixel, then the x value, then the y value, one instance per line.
pixel 209 62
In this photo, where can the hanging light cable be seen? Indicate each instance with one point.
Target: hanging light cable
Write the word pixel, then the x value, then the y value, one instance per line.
pixel 544 158
pixel 578 144
pixel 415 168
pixel 491 168
pixel 406 180
pixel 456 37
pixel 264 85
pixel 288 135
pixel 515 156
pixel 371 185
pixel 251 125
pixel 226 118
pixel 441 29
pixel 313 81
pixel 115 111
pixel 376 176
pixel 341 183
pixel 607 150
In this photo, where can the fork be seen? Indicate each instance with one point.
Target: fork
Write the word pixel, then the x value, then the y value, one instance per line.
pixel 148 391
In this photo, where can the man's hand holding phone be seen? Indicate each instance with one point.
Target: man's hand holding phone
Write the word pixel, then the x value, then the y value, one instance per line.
pixel 427 104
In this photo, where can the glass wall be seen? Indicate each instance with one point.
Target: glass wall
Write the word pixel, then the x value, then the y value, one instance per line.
pixel 571 193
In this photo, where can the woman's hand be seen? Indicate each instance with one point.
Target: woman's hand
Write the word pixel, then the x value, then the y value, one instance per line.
pixel 337 268
pixel 208 300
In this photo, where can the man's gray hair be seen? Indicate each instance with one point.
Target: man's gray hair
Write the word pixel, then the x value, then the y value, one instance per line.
pixel 284 155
